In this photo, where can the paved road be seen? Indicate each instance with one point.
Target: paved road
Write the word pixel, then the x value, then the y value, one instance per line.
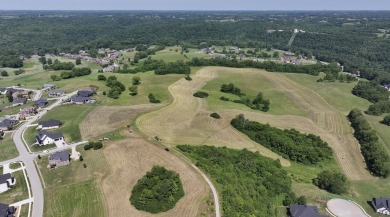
pixel 28 158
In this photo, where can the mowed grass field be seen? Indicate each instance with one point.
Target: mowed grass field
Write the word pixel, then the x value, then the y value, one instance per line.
pixel 172 54
pixel 8 148
pixel 71 117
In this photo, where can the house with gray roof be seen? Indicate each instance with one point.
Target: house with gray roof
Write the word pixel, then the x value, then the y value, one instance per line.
pixel 56 93
pixel 41 103
pixel 19 101
pixel 7 124
pixel 48 86
pixel 85 93
pixel 3 90
pixel 6 182
pixel 80 100
pixel 6 210
pixel 296 210
pixel 49 124
pixel 59 159
pixel 381 205
pixel 46 138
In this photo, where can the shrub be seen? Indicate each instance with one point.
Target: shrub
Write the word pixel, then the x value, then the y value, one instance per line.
pixel 153 99
pixel 386 120
pixel 158 191
pixel 101 78
pixel 224 98
pixel 136 80
pixel 19 71
pixel 201 94
pixel 215 115
pixel 331 181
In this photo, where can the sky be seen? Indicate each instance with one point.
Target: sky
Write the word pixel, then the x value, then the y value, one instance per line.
pixel 195 5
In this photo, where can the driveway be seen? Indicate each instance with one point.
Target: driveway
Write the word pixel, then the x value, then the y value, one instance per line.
pixel 345 208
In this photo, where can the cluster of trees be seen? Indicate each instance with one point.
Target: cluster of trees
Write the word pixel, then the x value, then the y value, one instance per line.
pixel 134 88
pixel 11 61
pixel 153 99
pixel 292 198
pixel 200 94
pixel 248 183
pixel 57 65
pixel 4 73
pixel 371 91
pixel 258 103
pixel 303 148
pixel 379 108
pixel 334 182
pixel 376 158
pixel 267 65
pixel 75 72
pixel 386 120
pixel 157 191
pixel 93 145
pixel 116 87
pixel 178 67
pixel 19 71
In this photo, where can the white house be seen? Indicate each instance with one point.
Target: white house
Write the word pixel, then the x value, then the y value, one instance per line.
pixel 381 205
pixel 49 124
pixel 6 182
pixel 46 138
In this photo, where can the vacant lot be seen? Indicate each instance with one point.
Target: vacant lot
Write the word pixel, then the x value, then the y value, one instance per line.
pixel 8 148
pixel 130 159
pixel 78 199
pixel 105 119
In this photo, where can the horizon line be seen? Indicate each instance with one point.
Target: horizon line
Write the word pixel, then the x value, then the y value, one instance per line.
pixel 205 10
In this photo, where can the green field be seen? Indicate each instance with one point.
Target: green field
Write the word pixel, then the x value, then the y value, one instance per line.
pixel 250 84
pixel 381 129
pixel 71 117
pixel 8 148
pixel 75 199
pixel 73 190
pixel 169 54
pixel 18 192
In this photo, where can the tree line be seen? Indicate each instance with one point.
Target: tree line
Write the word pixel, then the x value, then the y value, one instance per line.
pixel 291 144
pixel 376 158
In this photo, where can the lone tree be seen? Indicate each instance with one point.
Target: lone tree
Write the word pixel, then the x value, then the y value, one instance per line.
pixel 78 61
pixel 136 80
pixel 4 73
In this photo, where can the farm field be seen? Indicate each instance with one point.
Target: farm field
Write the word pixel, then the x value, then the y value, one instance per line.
pixel 130 159
pixel 8 148
pixel 104 119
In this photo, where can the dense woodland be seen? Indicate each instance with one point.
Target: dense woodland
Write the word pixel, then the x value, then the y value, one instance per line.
pixel 248 183
pixel 291 144
pixel 157 191
pixel 377 159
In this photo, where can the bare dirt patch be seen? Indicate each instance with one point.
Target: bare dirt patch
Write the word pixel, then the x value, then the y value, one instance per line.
pixel 130 159
pixel 104 119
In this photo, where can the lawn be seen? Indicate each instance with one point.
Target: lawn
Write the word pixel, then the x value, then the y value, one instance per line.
pixel 75 199
pixel 18 192
pixel 8 148
pixel 73 190
pixel 381 129
pixel 71 117
pixel 250 84
pixel 169 54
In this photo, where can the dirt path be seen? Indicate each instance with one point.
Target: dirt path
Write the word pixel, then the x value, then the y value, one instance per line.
pixel 130 159
pixel 187 121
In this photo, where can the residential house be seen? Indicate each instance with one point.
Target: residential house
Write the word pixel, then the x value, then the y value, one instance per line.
pixel 296 210
pixel 6 210
pixel 241 55
pixel 6 182
pixel 41 103
pixel 59 159
pixel 49 124
pixel 110 68
pixel 27 112
pixel 19 101
pixel 101 51
pixel 46 138
pixel 80 100
pixel 48 86
pixel 3 91
pixel 234 48
pixel 8 124
pixel 387 87
pixel 56 93
pixel 20 93
pixel 85 93
pixel 381 205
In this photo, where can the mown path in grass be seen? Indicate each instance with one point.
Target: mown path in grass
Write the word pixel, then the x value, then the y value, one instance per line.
pixel 187 121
